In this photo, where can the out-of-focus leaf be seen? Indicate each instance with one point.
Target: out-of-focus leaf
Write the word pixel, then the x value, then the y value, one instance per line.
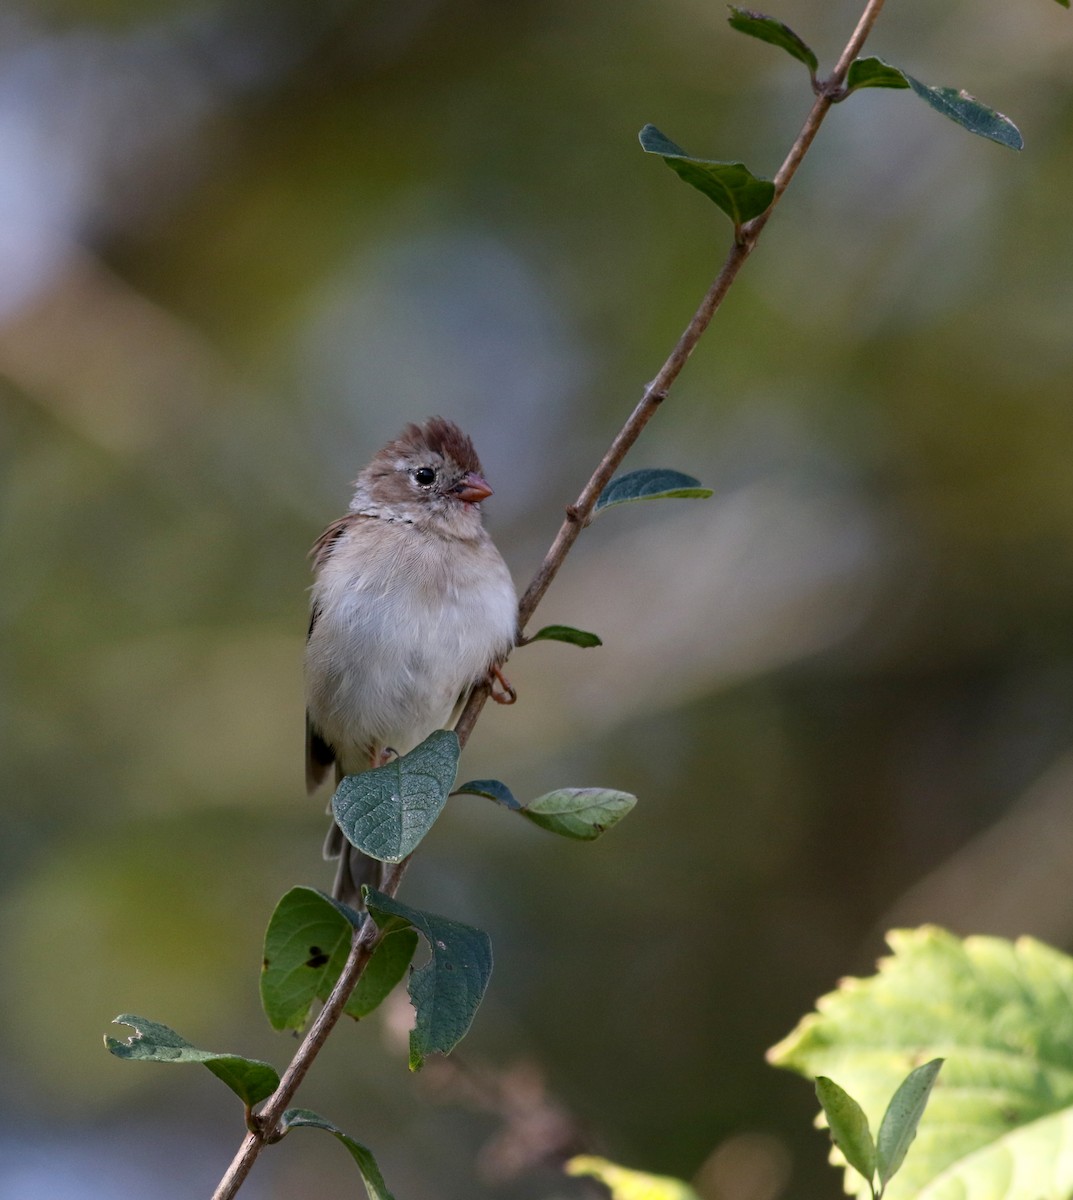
pixel 447 991
pixel 304 1118
pixel 900 1121
pixel 873 72
pixel 651 484
pixel 387 811
pixel 730 185
pixel 566 633
pixel 306 945
pixel 969 113
pixel 625 1184
pixel 490 789
pixel 1000 1120
pixel 848 1126
pixel 767 29
pixel 251 1080
pixel 579 813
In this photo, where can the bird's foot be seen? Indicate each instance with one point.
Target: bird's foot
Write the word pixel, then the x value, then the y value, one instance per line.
pixel 500 687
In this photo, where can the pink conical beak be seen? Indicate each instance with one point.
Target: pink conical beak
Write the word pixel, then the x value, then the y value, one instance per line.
pixel 472 489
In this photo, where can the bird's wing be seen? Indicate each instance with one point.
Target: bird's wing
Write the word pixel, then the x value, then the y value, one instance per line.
pixel 319 757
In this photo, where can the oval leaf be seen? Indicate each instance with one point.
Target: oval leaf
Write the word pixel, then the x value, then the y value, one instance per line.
pixel 299 1118
pixel 902 1117
pixel 999 1013
pixel 490 789
pixel 250 1079
pixel 655 484
pixel 969 113
pixel 730 185
pixel 388 810
pixel 447 991
pixel 848 1126
pixel 767 29
pixel 579 813
pixel 873 72
pixel 306 944
pixel 566 633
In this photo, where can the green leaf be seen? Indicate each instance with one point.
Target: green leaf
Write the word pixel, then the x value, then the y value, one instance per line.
pixel 958 105
pixel 490 789
pixel 447 991
pixel 730 185
pixel 383 972
pixel 848 1126
pixel 969 113
pixel 873 72
pixel 306 945
pixel 900 1121
pixel 1001 1121
pixel 304 1118
pixel 251 1080
pixel 566 633
pixel 625 1184
pixel 767 29
pixel 579 813
pixel 652 484
pixel 387 811
pixel 1064 3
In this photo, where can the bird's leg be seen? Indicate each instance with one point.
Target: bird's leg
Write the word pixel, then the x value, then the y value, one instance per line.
pixel 500 687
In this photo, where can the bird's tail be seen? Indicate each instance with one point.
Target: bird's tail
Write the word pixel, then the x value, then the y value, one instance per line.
pixel 354 868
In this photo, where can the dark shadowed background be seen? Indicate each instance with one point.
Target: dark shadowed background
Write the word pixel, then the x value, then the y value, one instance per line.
pixel 240 245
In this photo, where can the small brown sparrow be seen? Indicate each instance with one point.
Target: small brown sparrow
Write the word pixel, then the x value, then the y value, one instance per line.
pixel 412 605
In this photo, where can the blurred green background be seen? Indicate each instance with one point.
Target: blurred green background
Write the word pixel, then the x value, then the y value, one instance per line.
pixel 242 244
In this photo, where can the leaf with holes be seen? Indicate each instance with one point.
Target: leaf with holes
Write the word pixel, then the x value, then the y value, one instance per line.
pixel 251 1080
pixel 387 811
pixel 767 29
pixel 651 484
pixel 730 185
pixel 447 991
pixel 304 1118
pixel 306 945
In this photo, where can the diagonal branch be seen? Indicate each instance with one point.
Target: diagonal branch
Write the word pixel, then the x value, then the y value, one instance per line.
pixel 265 1125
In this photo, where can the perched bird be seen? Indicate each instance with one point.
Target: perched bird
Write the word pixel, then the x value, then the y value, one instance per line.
pixel 412 605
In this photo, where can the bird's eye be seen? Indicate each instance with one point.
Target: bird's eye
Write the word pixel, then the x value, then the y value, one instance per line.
pixel 425 476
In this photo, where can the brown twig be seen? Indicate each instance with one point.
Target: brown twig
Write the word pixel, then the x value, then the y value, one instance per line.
pixel 266 1122
pixel 578 515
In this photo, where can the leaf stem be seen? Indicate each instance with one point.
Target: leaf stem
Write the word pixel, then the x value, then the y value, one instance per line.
pixel 578 515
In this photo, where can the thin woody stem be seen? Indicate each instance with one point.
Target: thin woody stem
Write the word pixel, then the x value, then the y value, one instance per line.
pixel 266 1123
pixel 578 515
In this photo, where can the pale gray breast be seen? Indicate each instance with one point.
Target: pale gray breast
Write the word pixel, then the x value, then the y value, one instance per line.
pixel 405 623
